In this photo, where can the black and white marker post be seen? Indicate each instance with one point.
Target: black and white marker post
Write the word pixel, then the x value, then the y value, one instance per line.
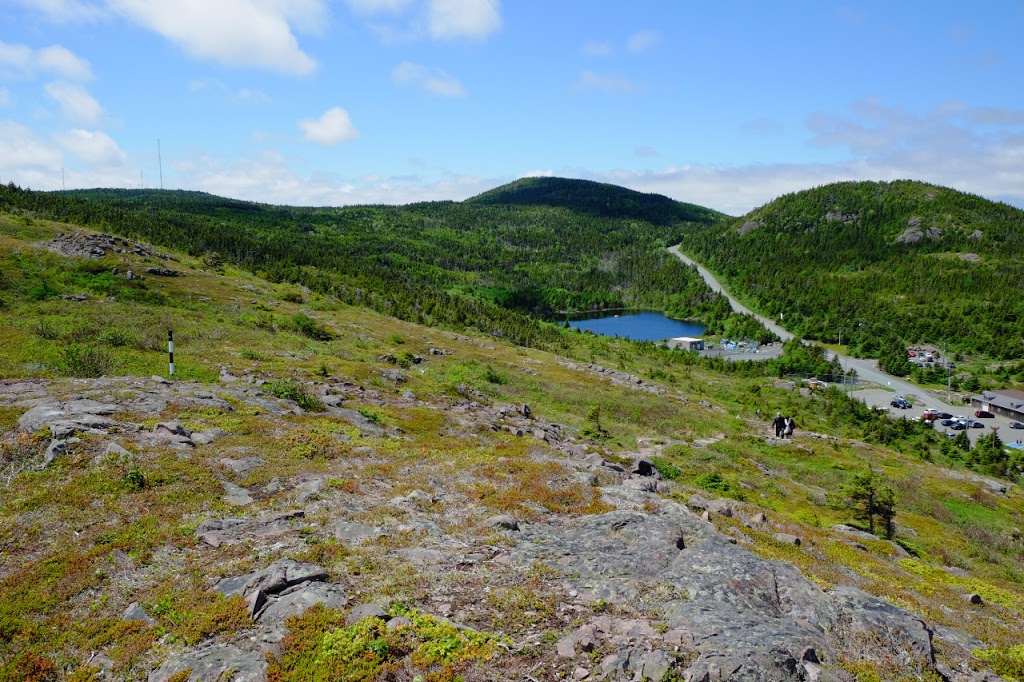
pixel 170 349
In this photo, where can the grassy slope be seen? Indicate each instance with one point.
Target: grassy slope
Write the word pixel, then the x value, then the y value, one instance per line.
pixel 828 258
pixel 944 521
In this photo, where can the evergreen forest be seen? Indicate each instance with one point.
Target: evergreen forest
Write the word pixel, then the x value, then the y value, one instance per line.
pixel 502 263
pixel 884 264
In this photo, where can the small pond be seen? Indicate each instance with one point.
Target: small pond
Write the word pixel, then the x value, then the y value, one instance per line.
pixel 639 326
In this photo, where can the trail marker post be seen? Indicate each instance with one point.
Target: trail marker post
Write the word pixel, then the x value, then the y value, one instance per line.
pixel 170 349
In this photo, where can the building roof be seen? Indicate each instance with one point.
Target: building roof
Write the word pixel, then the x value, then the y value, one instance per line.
pixel 686 338
pixel 1008 400
pixel 1009 393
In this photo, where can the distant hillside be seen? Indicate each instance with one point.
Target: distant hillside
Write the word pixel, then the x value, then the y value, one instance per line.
pixel 900 261
pixel 599 199
pixel 467 264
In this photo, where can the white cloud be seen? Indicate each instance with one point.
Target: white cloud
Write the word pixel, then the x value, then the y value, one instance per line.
pixel 596 48
pixel 434 81
pixel 15 60
pixel 65 11
pixel 449 19
pixel 251 96
pixel 334 127
pixel 75 103
pixel 253 33
pixel 972 149
pixel 243 95
pixel 64 63
pixel 269 178
pixel 92 146
pixel 590 81
pixel 377 6
pixel 21 61
pixel 21 148
pixel 642 41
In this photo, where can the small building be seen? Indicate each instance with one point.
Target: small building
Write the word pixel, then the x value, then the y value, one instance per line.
pixel 686 343
pixel 1004 403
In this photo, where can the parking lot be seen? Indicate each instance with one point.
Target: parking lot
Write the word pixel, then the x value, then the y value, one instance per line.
pixel 878 397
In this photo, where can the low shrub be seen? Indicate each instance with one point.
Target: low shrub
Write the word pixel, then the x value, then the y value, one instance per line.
pixel 308 327
pixel 667 469
pixel 712 481
pixel 84 360
pixel 287 389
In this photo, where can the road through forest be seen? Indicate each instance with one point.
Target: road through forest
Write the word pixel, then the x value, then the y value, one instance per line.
pixel 866 369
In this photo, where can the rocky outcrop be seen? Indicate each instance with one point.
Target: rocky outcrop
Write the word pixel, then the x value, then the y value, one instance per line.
pixel 734 614
pixel 97 246
pixel 914 233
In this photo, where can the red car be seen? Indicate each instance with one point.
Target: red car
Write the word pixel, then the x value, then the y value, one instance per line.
pixel 930 415
pixel 983 414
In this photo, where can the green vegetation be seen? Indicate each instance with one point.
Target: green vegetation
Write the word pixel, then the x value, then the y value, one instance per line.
pixel 497 263
pixel 837 259
pixel 867 497
pixel 289 389
pixel 320 646
pixel 89 534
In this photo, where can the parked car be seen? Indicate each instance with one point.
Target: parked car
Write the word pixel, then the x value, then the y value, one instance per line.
pixel 901 403
pixel 930 415
pixel 944 415
pixel 974 424
pixel 947 421
pixel 958 425
pixel 983 414
pixel 1016 425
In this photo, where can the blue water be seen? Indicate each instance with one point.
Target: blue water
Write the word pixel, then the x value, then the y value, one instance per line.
pixel 645 326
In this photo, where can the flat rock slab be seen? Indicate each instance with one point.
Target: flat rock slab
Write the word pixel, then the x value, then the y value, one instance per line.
pixel 356 533
pixel 296 600
pixel 211 664
pixel 242 466
pixel 233 530
pixel 746 617
pixel 64 419
pixel 284 573
pixel 236 495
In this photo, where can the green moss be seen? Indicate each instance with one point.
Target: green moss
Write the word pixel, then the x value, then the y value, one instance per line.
pixel 985 589
pixel 319 647
pixel 1007 663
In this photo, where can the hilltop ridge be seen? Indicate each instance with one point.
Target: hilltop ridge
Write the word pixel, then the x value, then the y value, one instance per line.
pixel 596 198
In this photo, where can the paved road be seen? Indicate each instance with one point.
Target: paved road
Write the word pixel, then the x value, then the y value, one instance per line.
pixel 866 369
pixel 736 305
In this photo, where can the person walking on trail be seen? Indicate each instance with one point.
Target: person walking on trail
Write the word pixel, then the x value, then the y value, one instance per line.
pixel 790 426
pixel 779 423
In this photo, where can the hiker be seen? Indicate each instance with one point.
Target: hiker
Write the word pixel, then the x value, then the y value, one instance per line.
pixel 790 426
pixel 779 423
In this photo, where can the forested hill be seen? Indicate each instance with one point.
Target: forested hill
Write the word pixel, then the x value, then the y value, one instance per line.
pixel 497 268
pixel 885 263
pixel 597 199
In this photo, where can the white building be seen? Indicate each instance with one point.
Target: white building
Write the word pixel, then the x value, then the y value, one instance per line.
pixel 686 343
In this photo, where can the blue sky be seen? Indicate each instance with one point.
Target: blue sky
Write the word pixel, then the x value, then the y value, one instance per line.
pixel 331 102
